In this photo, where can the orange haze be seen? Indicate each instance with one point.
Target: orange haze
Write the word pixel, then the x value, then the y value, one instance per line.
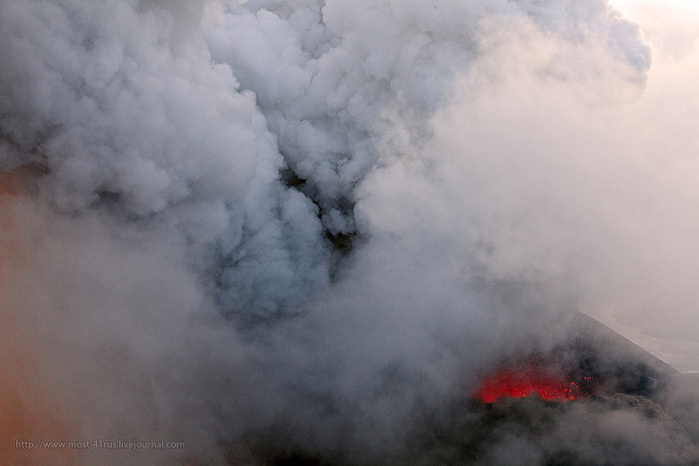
pixel 27 414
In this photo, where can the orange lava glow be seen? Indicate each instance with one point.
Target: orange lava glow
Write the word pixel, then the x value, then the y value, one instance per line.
pixel 520 382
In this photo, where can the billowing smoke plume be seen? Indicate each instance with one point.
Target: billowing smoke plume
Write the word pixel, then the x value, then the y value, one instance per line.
pixel 276 225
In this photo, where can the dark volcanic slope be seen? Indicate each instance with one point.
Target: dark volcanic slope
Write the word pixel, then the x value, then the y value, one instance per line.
pixel 639 410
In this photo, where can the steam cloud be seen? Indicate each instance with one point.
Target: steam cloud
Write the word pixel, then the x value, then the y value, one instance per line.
pixel 309 222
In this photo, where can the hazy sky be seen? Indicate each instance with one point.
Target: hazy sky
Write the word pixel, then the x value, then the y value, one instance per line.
pixel 668 112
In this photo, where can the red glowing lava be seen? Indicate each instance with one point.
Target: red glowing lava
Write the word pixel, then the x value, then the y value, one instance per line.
pixel 519 382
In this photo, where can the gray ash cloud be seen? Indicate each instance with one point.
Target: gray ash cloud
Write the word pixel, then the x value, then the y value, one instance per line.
pixel 316 221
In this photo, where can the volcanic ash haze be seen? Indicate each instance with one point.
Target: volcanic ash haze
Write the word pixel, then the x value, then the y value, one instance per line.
pixel 296 230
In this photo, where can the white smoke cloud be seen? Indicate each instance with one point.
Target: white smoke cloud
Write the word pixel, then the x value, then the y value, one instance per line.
pixel 323 215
